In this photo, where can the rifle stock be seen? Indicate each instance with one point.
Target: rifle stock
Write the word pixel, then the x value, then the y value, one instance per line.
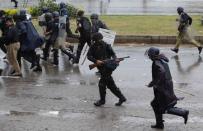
pixel 92 66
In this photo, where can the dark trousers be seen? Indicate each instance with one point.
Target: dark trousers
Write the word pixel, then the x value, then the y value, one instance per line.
pixel 108 82
pixel 82 41
pixel 30 56
pixel 46 51
pixel 158 111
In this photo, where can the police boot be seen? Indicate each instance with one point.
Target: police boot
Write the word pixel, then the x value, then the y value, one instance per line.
pixel 99 103
pixel 102 93
pixel 55 62
pixel 39 68
pixel 200 50
pixel 159 122
pixel 70 55
pixel 77 57
pixel 45 54
pixel 121 100
pixel 179 112
pixel 121 97
pixel 175 50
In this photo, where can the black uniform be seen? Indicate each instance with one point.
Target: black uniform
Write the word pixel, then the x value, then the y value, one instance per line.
pixel 11 36
pixel 96 24
pixel 164 96
pixel 84 27
pixel 53 28
pixel 102 51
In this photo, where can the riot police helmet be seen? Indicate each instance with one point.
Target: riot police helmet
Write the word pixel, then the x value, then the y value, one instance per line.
pixel 80 13
pixel 180 10
pixel 55 14
pixel 62 5
pixel 45 9
pixel 48 17
pixel 97 37
pixel 94 16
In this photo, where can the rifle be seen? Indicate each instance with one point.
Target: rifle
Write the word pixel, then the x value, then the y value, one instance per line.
pixel 109 63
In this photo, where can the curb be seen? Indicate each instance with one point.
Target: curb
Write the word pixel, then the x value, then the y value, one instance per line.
pixel 121 39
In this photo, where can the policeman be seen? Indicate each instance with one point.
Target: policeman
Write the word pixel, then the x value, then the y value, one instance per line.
pixel 49 25
pixel 164 96
pixel 41 18
pixel 84 27
pixel 98 52
pixel 3 29
pixel 64 30
pixel 185 22
pixel 96 23
pixel 53 32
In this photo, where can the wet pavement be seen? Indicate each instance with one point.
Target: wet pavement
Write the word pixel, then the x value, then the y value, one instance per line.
pixel 61 98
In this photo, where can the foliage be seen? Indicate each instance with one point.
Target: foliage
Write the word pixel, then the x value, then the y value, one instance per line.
pixel 36 10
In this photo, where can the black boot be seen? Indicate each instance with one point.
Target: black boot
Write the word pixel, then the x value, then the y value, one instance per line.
pixel 39 68
pixel 102 93
pixel 116 91
pixel 179 112
pixel 69 54
pixel 200 50
pixel 175 50
pixel 56 62
pixel 159 122
pixel 99 103
pixel 45 53
pixel 121 100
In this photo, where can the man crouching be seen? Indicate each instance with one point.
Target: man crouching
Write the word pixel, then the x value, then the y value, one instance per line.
pixel 164 96
pixel 98 52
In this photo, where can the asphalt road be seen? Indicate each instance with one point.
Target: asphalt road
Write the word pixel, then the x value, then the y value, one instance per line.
pixel 61 98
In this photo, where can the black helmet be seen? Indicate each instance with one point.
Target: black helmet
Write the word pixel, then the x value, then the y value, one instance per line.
pixel 152 52
pixel 80 13
pixel 97 37
pixel 48 17
pixel 180 10
pixel 94 16
pixel 62 5
pixel 22 12
pixel 45 9
pixel 55 14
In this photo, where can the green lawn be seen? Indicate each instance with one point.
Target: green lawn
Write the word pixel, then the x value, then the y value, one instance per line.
pixel 146 25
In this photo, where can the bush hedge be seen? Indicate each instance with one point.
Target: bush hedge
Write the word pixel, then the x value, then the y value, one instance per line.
pixel 36 10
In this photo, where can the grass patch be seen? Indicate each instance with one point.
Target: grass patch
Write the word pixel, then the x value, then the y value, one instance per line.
pixel 145 25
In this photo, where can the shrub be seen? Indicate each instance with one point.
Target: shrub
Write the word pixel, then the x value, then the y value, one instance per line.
pixel 36 11
pixel 11 12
